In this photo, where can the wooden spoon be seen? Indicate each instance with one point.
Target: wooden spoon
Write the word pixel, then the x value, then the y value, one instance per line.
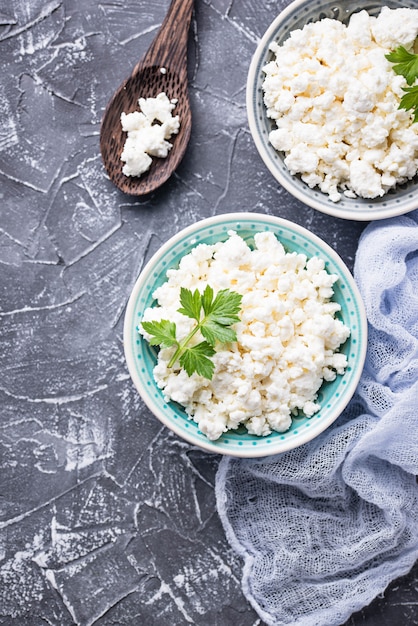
pixel 168 51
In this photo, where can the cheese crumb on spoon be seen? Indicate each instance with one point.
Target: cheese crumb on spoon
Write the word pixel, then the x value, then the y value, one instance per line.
pixel 148 132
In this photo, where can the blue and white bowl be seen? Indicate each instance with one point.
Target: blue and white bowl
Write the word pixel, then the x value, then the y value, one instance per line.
pixel 401 199
pixel 141 357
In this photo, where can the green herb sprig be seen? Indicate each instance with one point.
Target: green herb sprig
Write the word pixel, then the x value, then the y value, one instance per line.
pixel 406 65
pixel 214 318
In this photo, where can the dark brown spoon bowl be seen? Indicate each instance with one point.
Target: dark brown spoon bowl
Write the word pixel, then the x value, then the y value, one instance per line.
pixel 168 51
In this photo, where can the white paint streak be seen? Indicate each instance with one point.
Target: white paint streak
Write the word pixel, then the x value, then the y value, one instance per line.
pixel 57 400
pixel 46 307
pixel 46 11
pixel 22 516
pixel 179 602
pixel 150 29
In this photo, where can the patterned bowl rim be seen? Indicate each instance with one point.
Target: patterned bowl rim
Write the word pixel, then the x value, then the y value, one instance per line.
pixel 141 358
pixel 395 202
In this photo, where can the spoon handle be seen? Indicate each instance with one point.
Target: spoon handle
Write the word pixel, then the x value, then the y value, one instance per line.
pixel 169 47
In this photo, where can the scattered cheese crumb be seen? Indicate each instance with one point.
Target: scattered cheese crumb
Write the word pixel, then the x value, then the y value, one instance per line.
pixel 148 133
pixel 335 100
pixel 287 338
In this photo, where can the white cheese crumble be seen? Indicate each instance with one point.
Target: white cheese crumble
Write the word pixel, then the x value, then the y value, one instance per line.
pixel 148 133
pixel 287 338
pixel 335 99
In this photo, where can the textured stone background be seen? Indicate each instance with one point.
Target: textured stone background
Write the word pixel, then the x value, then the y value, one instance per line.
pixel 107 518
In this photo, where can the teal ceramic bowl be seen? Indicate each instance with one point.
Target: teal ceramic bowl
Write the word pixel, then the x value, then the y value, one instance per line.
pixel 141 357
pixel 397 201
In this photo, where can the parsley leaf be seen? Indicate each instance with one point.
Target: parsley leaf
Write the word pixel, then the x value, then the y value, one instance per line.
pixel 190 302
pixel 214 317
pixel 220 314
pixel 410 100
pixel 214 332
pixel 162 333
pixel 224 308
pixel 406 65
pixel 195 359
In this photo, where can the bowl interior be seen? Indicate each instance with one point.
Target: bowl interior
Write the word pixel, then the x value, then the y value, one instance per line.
pixel 141 357
pixel 296 15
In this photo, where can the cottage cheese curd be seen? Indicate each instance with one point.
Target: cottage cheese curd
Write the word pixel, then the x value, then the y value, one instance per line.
pixel 335 99
pixel 287 338
pixel 148 131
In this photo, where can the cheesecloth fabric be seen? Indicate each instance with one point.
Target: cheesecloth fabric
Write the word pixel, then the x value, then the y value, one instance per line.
pixel 323 529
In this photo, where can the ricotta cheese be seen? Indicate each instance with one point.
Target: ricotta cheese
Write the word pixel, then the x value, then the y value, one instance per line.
pixel 287 338
pixel 148 132
pixel 335 98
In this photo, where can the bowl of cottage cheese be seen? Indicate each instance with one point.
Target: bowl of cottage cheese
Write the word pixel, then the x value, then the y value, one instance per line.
pixel 298 343
pixel 323 105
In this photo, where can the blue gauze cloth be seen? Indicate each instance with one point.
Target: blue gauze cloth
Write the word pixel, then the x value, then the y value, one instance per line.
pixel 323 529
